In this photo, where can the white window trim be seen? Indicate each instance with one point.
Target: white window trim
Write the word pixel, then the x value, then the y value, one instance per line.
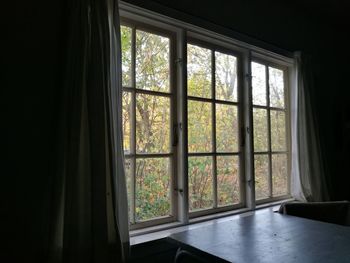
pixel 248 52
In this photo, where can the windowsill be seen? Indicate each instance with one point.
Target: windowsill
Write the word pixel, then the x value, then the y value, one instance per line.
pixel 161 231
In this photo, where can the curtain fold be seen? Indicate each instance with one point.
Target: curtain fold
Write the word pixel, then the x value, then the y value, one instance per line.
pixel 89 207
pixel 308 175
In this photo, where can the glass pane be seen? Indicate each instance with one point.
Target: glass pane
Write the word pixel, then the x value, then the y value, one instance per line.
pixel 200 179
pixel 228 180
pixel 127 166
pixel 225 77
pixel 198 71
pixel 260 130
pixel 126 122
pixel 152 188
pixel 152 62
pixel 276 87
pixel 199 126
pixel 279 174
pixel 125 34
pixel 259 84
pixel 278 130
pixel 261 165
pixel 152 124
pixel 226 128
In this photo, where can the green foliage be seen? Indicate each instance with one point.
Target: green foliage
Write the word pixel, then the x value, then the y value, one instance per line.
pixel 152 188
pixel 200 170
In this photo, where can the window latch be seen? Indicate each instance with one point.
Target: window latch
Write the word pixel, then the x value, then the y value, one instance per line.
pixel 250 183
pixel 180 190
pixel 242 137
pixel 175 134
pixel 178 61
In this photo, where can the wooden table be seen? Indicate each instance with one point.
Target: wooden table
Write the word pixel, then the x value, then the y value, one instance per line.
pixel 268 237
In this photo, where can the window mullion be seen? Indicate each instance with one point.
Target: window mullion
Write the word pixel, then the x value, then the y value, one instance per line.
pixel 269 130
pixel 249 176
pixel 287 99
pixel 215 189
pixel 133 127
pixel 182 179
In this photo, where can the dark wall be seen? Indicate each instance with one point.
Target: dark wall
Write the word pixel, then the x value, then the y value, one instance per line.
pixel 319 29
pixel 30 81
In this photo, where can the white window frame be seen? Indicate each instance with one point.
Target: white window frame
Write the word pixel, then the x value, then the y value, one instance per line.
pixel 133 91
pixel 263 60
pixel 246 53
pixel 213 47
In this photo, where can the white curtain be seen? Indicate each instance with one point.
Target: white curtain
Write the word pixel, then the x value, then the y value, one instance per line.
pixel 308 175
pixel 89 207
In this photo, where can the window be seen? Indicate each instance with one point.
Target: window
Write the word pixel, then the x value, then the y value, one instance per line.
pixel 147 123
pixel 213 125
pixel 187 119
pixel 270 133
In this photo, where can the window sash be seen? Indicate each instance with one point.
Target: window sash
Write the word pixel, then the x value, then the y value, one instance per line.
pixel 213 49
pixel 270 152
pixel 133 156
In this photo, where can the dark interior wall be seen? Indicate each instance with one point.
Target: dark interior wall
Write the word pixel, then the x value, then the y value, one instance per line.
pixel 30 81
pixel 318 28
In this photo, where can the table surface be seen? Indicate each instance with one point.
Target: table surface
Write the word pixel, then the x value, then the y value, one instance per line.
pixel 269 237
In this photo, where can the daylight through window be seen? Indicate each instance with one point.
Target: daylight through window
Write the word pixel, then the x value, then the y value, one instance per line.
pixel 193 141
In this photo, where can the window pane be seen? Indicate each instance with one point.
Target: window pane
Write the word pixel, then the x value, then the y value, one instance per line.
pixel 279 174
pixel 152 62
pixel 228 180
pixel 261 164
pixel 199 126
pixel 278 130
pixel 200 179
pixel 226 128
pixel 152 124
pixel 125 34
pixel 127 166
pixel 276 87
pixel 225 77
pixel 126 122
pixel 259 84
pixel 260 130
pixel 152 188
pixel 198 71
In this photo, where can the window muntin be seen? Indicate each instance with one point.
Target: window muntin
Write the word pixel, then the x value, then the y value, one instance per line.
pixel 270 131
pixel 213 129
pixel 147 123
